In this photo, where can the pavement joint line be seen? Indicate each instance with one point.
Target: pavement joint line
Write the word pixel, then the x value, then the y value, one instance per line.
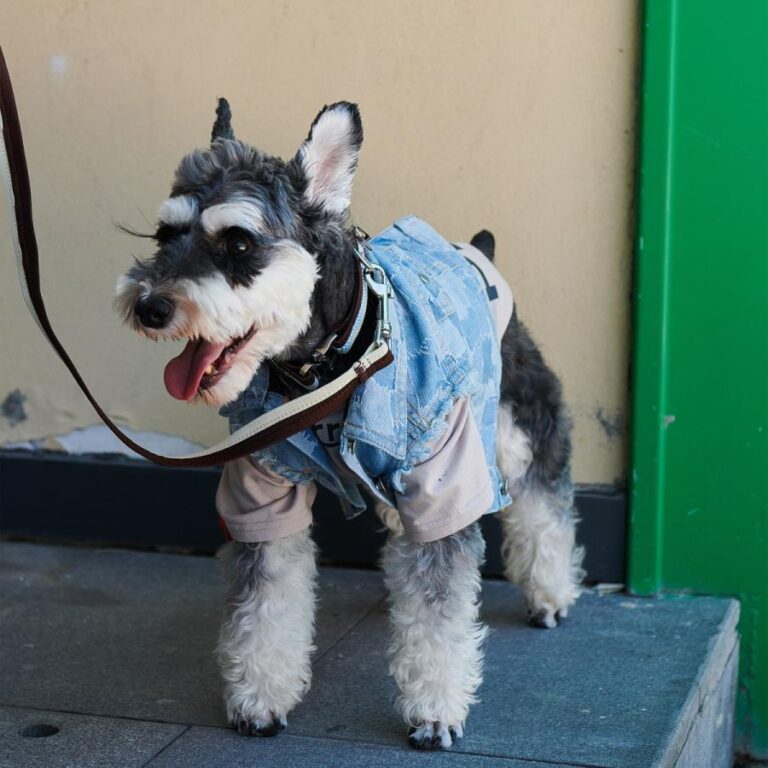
pixel 451 754
pixel 292 735
pixel 80 713
pixel 165 746
pixel 351 629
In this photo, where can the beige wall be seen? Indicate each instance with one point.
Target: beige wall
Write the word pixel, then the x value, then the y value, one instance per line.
pixel 515 115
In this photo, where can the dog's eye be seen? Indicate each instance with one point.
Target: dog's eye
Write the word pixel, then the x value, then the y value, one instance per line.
pixel 238 243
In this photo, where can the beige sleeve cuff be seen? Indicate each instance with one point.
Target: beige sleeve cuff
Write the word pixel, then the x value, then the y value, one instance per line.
pixel 256 504
pixel 452 487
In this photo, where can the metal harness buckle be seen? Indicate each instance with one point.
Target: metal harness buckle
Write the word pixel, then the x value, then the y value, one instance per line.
pixel 318 356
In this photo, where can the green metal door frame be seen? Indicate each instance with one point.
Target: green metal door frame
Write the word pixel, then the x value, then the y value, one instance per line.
pixel 699 480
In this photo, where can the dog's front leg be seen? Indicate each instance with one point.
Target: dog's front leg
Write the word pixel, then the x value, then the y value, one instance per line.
pixel 266 638
pixel 436 652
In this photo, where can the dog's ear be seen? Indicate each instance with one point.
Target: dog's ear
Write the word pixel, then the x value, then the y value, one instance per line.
pixel 328 158
pixel 222 127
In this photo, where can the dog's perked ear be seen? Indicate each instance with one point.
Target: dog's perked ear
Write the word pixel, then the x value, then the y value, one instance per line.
pixel 222 127
pixel 328 158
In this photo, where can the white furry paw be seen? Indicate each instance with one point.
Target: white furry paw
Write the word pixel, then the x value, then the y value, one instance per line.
pixel 548 607
pixel 251 725
pixel 434 735
pixel 546 617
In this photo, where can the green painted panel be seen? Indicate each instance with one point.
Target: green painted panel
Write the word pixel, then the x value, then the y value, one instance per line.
pixel 699 499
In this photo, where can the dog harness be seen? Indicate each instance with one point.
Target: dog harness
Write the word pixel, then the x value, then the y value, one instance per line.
pixel 446 316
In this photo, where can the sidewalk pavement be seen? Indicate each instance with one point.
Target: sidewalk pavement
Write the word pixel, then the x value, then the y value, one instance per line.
pixel 106 659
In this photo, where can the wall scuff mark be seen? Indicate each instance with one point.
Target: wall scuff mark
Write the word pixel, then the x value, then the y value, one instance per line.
pixel 612 423
pixel 12 408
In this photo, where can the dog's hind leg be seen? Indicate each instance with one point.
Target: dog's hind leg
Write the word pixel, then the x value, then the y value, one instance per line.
pixel 265 641
pixel 540 553
pixel 539 528
pixel 436 653
pixel 533 448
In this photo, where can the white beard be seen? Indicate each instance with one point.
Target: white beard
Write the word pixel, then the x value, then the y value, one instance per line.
pixel 277 304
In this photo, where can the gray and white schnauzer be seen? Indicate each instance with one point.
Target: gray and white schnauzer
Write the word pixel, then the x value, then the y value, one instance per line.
pixel 256 264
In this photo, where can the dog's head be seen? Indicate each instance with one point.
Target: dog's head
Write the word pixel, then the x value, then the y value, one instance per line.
pixel 251 256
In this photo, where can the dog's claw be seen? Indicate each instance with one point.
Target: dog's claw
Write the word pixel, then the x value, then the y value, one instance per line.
pixel 268 727
pixel 434 735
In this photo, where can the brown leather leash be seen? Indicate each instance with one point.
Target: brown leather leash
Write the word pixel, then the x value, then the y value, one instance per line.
pixel 270 428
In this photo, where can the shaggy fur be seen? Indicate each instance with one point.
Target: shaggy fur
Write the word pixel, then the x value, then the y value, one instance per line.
pixel 265 641
pixel 435 655
pixel 255 257
pixel 533 450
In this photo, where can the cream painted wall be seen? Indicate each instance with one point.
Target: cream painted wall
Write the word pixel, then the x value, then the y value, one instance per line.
pixel 515 115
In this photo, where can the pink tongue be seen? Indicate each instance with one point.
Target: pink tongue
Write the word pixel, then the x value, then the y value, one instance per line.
pixel 184 373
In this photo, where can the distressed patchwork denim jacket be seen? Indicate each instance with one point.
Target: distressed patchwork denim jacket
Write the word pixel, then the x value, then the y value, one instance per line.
pixel 445 347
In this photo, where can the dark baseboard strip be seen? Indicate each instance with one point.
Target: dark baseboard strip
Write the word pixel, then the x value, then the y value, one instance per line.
pixel 121 502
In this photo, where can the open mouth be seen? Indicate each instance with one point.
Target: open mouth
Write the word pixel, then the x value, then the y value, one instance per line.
pixel 201 364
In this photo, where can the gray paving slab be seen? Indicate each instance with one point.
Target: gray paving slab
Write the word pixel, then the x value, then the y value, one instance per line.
pixel 605 689
pixel 78 740
pixel 624 683
pixel 215 748
pixel 131 634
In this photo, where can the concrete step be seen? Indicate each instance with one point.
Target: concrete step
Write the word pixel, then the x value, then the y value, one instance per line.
pixel 113 650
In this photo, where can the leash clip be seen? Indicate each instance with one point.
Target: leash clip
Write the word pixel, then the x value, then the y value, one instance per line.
pixel 378 283
pixel 376 279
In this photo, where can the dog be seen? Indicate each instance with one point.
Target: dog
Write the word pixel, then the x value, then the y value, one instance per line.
pixel 256 266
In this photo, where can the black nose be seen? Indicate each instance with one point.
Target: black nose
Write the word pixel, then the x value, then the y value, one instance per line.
pixel 154 311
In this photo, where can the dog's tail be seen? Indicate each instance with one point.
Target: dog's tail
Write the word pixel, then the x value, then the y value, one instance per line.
pixel 485 242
